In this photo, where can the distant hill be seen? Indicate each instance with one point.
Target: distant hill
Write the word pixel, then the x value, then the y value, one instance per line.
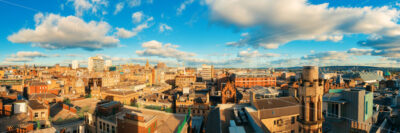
pixel 347 68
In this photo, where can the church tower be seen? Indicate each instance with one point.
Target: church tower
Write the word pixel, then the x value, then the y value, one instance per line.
pixel 310 96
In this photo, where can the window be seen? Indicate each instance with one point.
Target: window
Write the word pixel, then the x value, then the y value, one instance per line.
pixel 292 131
pixel 108 128
pixel 366 107
pixel 101 127
pixel 113 129
pixel 42 114
pixel 293 119
pixel 36 115
pixel 104 126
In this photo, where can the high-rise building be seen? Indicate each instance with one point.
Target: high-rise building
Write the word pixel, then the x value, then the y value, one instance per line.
pixel 75 64
pixel 95 64
pixel 310 96
pixel 206 72
pixel 108 63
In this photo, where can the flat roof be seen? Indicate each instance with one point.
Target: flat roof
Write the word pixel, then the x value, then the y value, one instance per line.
pixel 270 103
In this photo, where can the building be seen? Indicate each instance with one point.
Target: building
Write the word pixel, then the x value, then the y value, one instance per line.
pixel 110 79
pixel 197 103
pixel 275 115
pixel 134 122
pixel 310 95
pixel 229 93
pixel 125 96
pixel 108 64
pixel 38 111
pixel 105 114
pixel 249 80
pixel 37 87
pixel 258 92
pixel 96 64
pixel 349 110
pixel 75 64
pixel 207 72
pixel 184 80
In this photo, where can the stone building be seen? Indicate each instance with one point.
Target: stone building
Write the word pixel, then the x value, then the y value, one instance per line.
pixel 275 115
pixel 310 96
pixel 184 80
pixel 229 93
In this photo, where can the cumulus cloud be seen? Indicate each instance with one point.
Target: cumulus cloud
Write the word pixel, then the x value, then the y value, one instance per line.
pixel 94 6
pixel 155 48
pixel 183 6
pixel 124 33
pixel 164 27
pixel 302 21
pixel 347 57
pixel 25 56
pixel 329 55
pixel 251 54
pixel 387 46
pixel 169 51
pixel 356 51
pixel 118 7
pixel 57 32
pixel 137 16
pixel 134 3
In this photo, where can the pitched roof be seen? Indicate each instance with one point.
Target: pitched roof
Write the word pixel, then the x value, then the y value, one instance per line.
pixel 35 104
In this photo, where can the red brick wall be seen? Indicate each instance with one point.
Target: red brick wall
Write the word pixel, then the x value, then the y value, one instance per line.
pixel 8 110
pixel 258 81
pixel 125 127
pixel 1 108
pixel 37 89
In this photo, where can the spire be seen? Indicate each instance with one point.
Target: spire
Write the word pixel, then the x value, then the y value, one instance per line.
pixel 147 63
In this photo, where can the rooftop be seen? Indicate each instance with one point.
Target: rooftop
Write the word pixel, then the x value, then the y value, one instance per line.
pixel 270 103
pixel 35 104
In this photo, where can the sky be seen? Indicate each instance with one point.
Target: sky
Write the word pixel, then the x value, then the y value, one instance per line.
pixel 223 33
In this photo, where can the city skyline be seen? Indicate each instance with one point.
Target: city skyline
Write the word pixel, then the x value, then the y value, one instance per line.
pixel 193 32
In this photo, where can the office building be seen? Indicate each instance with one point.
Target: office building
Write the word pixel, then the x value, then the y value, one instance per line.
pixel 75 64
pixel 96 64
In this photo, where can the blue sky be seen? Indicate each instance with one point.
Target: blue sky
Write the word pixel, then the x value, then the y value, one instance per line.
pixel 224 33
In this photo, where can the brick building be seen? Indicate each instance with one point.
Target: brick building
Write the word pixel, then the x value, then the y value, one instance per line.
pixel 136 123
pixel 250 80
pixel 37 87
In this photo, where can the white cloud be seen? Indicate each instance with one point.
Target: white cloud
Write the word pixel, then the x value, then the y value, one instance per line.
pixel 251 54
pixel 155 48
pixel 57 32
pixel 356 51
pixel 25 56
pixel 82 6
pixel 183 6
pixel 164 27
pixel 118 7
pixel 302 20
pixel 29 54
pixel 329 55
pixel 124 33
pixel 134 3
pixel 137 16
